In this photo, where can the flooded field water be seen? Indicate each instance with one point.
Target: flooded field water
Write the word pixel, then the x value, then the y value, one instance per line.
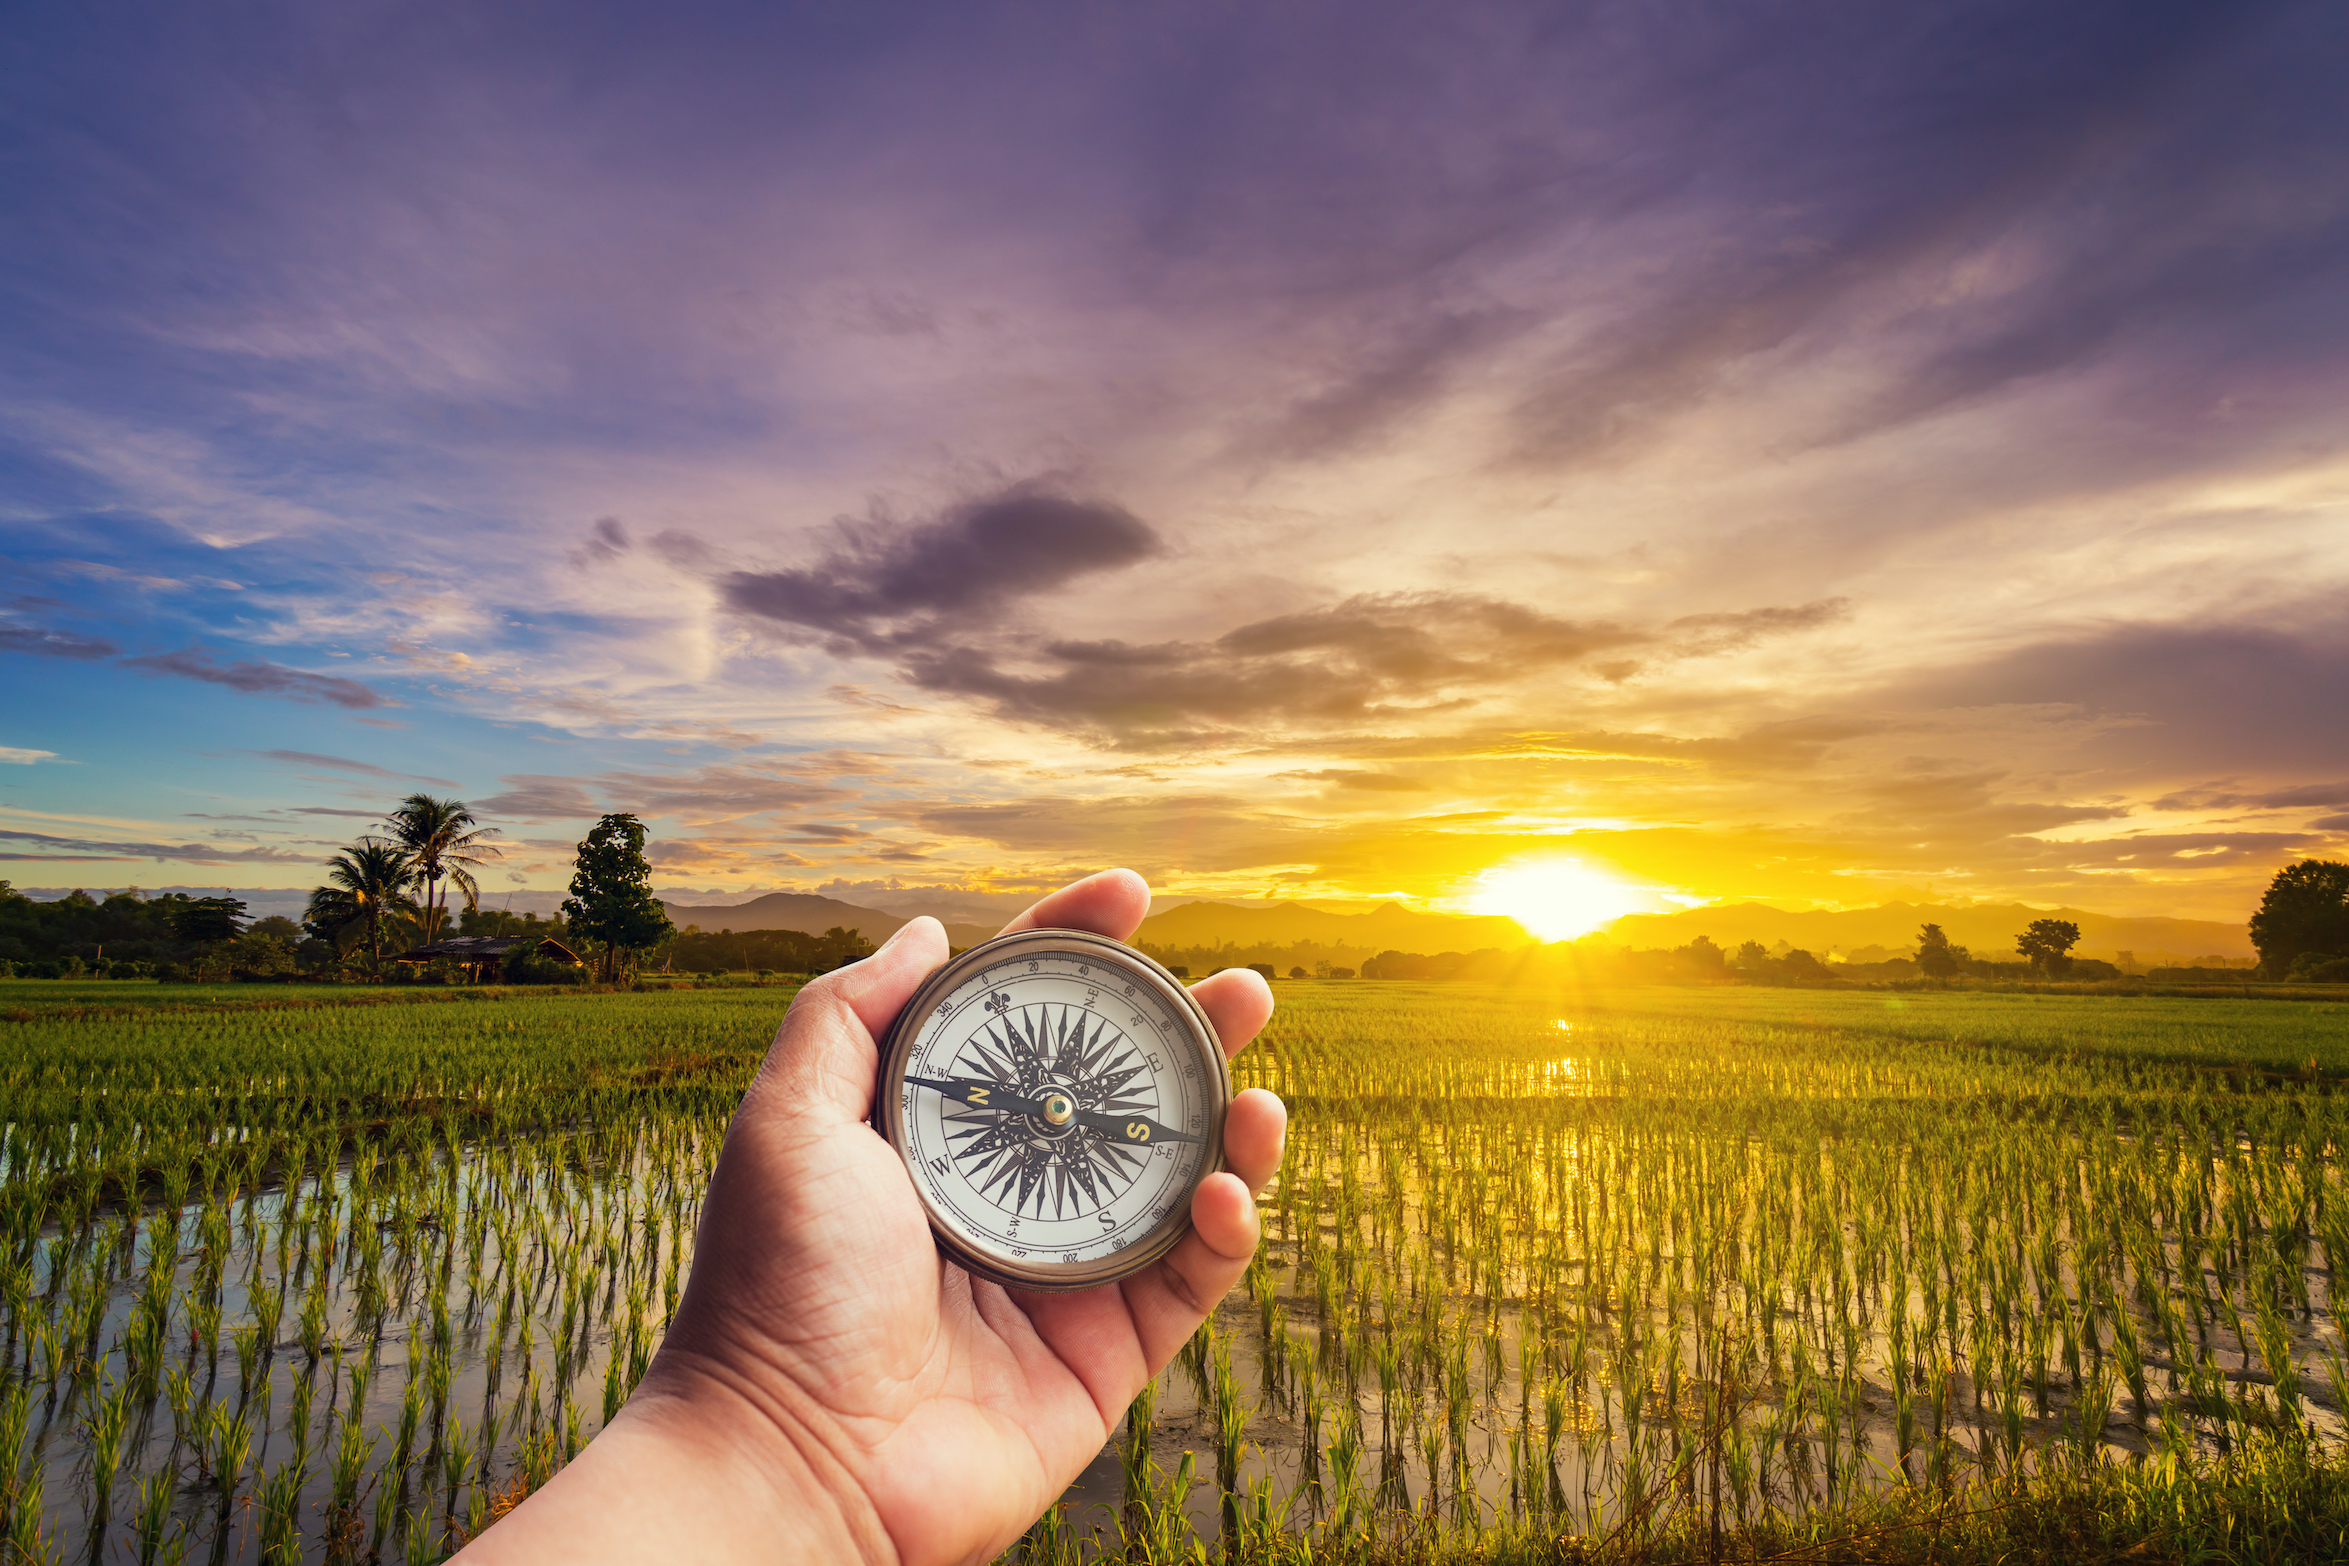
pixel 343 1284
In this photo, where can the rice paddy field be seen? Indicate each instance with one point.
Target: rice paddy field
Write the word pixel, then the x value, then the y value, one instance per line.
pixel 341 1275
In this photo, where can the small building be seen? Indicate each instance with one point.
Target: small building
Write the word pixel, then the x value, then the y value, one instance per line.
pixel 482 953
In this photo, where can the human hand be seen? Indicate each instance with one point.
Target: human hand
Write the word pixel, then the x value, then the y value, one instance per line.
pixel 830 1384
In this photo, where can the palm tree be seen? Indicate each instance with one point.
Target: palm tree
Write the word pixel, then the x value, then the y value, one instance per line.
pixel 445 841
pixel 365 883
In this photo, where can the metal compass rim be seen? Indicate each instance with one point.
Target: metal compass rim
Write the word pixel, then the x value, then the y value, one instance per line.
pixel 888 1116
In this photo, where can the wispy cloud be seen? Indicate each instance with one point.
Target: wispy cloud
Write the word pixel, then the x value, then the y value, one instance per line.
pixel 53 644
pixel 44 846
pixel 365 769
pixel 884 588
pixel 1832 445
pixel 256 676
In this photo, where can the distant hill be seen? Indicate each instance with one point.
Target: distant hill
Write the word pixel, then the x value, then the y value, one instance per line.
pixel 810 915
pixel 1989 929
pixel 1386 927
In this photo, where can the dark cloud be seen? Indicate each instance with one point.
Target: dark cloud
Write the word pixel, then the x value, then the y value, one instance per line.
pixel 1825 182
pixel 1370 782
pixel 53 644
pixel 258 677
pixel 820 832
pixel 1951 811
pixel 891 587
pixel 2220 798
pixel 1716 633
pixel 82 848
pixel 606 541
pixel 735 854
pixel 706 793
pixel 2193 700
pixel 307 758
pixel 1372 656
pixel 530 797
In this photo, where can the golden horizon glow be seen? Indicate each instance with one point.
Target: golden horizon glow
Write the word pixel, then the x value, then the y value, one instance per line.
pixel 1556 899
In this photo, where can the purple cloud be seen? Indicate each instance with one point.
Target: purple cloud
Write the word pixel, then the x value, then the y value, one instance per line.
pixel 258 677
pixel 889 587
pixel 53 644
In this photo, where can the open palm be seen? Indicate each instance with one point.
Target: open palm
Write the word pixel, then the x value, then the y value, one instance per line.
pixel 937 1413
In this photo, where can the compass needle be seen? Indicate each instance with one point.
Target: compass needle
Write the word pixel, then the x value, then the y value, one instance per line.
pixel 1052 1146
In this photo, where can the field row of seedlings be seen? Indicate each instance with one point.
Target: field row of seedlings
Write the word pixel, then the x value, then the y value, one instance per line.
pixel 345 1283
pixel 337 1285
pixel 1635 1277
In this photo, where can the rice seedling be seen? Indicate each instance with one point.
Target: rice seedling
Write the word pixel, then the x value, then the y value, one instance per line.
pixel 1612 1265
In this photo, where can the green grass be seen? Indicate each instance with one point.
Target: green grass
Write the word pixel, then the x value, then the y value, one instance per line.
pixel 2210 1032
pixel 1548 1276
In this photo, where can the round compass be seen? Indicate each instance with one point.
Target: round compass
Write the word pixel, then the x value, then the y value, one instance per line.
pixel 1057 1096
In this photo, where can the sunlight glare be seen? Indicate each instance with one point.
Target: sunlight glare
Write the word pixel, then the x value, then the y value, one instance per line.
pixel 1556 899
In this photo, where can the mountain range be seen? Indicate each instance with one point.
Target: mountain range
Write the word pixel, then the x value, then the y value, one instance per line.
pixel 1384 927
pixel 812 915
pixel 1988 928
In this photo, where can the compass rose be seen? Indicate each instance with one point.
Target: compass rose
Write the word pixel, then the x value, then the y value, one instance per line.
pixel 1044 1118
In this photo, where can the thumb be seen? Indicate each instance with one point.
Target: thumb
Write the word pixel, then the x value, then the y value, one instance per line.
pixel 827 1051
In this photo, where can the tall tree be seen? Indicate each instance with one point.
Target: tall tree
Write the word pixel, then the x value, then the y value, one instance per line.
pixel 366 883
pixel 1936 958
pixel 2306 909
pixel 611 892
pixel 208 923
pixel 446 842
pixel 2048 943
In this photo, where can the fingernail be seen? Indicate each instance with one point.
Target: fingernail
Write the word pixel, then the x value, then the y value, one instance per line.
pixel 899 934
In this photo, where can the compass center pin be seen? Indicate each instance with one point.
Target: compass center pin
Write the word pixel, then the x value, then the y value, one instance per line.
pixel 1057 1109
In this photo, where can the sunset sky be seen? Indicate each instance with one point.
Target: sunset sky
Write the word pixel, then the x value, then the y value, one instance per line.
pixel 1808 452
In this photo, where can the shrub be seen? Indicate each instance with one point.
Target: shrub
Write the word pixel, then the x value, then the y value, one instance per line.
pixel 528 967
pixel 2318 968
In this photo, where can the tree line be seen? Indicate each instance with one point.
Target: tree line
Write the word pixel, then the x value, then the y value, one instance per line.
pixel 415 884
pixel 384 895
pixel 399 885
pixel 127 935
pixel 389 894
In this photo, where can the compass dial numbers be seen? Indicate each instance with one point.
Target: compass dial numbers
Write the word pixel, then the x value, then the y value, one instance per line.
pixel 1055 1109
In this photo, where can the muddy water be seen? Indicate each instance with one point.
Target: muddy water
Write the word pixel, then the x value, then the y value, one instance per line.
pixel 502 1393
pixel 413 1509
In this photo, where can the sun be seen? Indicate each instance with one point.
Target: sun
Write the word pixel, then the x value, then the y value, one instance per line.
pixel 1557 899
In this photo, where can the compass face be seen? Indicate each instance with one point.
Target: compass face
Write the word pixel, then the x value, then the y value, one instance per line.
pixel 1056 1096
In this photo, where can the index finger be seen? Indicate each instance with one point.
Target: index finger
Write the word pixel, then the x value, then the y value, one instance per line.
pixel 1112 903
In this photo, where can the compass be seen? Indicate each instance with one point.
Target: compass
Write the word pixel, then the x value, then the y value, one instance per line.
pixel 1057 1097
